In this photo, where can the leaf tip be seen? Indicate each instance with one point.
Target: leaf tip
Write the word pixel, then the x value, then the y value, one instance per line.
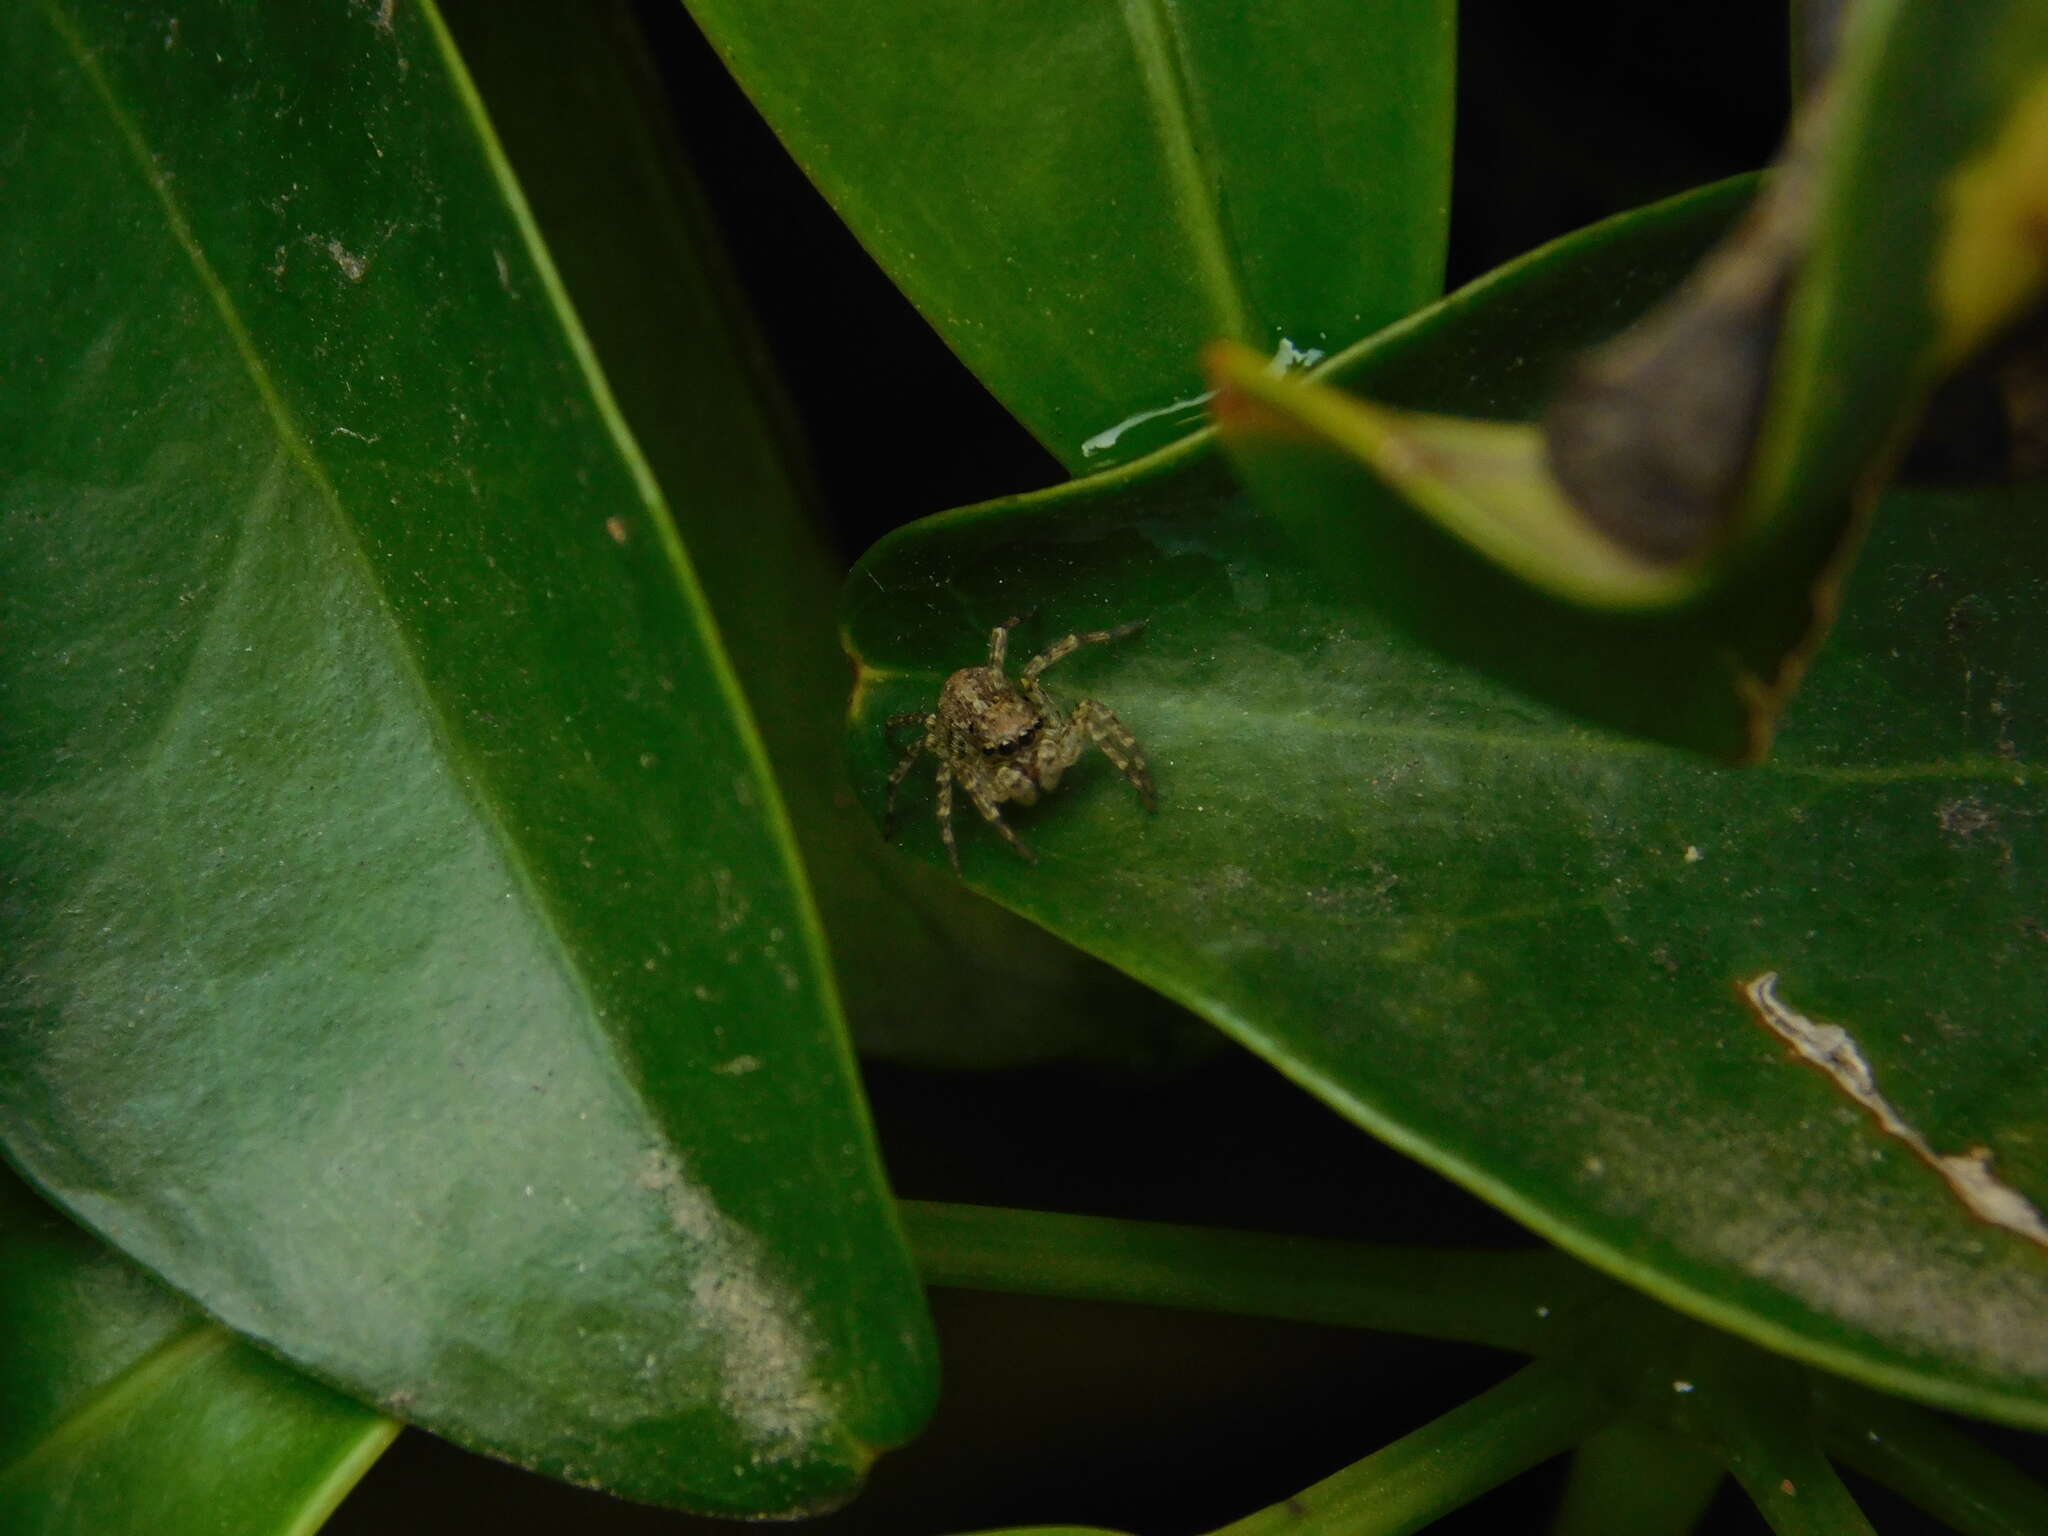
pixel 1240 381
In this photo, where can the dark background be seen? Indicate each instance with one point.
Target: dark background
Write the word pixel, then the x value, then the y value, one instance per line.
pixel 1061 1412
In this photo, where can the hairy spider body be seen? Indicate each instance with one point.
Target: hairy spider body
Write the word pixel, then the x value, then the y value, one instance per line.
pixel 1002 740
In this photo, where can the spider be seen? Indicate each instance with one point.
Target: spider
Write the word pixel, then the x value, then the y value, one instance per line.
pixel 1004 740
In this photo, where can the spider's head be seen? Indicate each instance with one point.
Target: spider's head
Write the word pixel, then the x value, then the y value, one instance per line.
pixel 995 721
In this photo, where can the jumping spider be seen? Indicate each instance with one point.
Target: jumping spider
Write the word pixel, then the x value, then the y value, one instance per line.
pixel 1005 740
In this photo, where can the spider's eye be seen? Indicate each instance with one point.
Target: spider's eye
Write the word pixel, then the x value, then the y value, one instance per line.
pixel 1006 747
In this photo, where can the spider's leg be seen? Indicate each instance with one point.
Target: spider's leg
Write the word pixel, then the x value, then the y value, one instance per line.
pixel 994 818
pixel 999 639
pixel 896 778
pixel 920 718
pixel 1062 648
pixel 946 813
pixel 1118 745
pixel 1041 701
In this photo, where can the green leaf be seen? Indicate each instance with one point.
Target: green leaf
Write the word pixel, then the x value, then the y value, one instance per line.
pixel 1485 482
pixel 1705 464
pixel 123 1410
pixel 1926 241
pixel 580 113
pixel 1709 675
pixel 1512 945
pixel 1078 195
pixel 406 953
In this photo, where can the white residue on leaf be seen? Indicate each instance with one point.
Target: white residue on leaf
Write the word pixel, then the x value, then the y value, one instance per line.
pixel 1834 1050
pixel 761 1341
pixel 729 902
pixel 1286 356
pixel 1107 438
pixel 352 266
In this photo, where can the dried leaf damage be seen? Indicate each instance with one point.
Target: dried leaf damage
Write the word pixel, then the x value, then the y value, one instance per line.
pixel 766 1356
pixel 1834 1050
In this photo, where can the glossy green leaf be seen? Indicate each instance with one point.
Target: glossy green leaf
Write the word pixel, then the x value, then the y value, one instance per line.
pixel 1078 195
pixel 121 1409
pixel 1513 945
pixel 405 952
pixel 914 953
pixel 1896 225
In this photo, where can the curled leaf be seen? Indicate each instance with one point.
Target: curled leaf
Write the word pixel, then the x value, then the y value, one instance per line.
pixel 1718 460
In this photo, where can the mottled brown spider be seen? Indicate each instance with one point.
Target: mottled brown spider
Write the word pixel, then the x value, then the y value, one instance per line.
pixel 1004 740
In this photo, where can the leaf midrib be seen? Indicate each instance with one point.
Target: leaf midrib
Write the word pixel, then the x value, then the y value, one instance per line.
pixel 189 1347
pixel 1187 147
pixel 1581 745
pixel 293 442
pixel 296 446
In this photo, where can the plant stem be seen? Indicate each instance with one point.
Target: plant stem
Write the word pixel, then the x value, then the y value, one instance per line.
pixel 1794 1485
pixel 1539 1411
pixel 1510 1300
pixel 1938 1467
pixel 1631 1480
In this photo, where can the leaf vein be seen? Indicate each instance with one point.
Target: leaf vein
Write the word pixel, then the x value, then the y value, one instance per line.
pixel 1162 63
pixel 136 1384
